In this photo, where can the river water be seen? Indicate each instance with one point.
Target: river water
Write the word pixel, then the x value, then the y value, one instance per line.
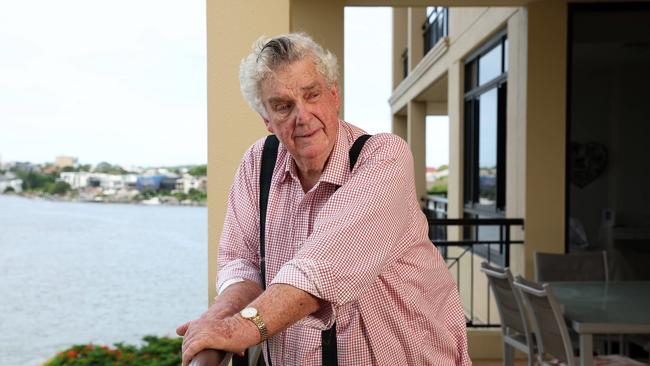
pixel 103 273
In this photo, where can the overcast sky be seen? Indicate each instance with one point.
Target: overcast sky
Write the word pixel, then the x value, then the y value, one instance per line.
pixel 124 81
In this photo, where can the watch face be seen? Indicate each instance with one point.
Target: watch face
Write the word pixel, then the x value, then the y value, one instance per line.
pixel 248 312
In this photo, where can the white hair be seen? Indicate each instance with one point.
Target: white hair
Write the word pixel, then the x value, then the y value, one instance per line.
pixel 268 55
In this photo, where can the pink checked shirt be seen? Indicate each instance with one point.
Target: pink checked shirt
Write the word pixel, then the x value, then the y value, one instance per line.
pixel 363 248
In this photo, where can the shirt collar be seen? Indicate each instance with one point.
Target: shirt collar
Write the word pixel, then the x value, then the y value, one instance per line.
pixel 337 169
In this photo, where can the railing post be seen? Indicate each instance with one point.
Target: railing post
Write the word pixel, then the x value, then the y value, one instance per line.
pixel 507 259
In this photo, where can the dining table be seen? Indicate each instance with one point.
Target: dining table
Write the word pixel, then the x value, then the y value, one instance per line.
pixel 603 308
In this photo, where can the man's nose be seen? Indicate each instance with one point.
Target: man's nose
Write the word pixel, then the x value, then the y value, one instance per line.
pixel 303 112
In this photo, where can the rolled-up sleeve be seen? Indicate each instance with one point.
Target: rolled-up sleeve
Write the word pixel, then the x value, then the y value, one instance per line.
pixel 361 229
pixel 239 243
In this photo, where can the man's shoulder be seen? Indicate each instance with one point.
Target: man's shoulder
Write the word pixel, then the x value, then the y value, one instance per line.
pixel 254 152
pixel 383 143
pixel 384 146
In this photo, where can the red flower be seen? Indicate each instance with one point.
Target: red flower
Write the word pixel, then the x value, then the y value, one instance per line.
pixel 72 354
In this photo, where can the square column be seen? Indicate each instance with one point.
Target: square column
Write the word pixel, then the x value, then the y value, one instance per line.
pixel 232 125
pixel 416 17
pixel 416 138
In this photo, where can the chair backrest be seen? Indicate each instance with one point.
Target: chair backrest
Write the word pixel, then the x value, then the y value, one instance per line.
pixel 509 302
pixel 548 323
pixel 586 266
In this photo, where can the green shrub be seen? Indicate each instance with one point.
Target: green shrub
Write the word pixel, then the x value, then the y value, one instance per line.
pixel 157 351
pixel 438 190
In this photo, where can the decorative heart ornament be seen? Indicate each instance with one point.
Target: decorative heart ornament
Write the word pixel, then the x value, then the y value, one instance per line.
pixel 586 162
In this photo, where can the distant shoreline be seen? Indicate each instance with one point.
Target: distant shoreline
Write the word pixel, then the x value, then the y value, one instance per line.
pixel 54 198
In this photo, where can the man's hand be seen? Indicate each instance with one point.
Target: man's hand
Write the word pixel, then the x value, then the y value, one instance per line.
pixel 232 334
pixel 233 299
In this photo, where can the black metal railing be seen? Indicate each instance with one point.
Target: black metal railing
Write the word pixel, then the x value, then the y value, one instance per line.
pixel 435 27
pixel 436 207
pixel 494 249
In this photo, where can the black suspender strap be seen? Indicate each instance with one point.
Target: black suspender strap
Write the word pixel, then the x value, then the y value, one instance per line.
pixel 269 156
pixel 329 353
pixel 355 150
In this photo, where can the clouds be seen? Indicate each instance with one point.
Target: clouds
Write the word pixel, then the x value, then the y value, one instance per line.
pixel 125 81
pixel 368 70
pixel 122 81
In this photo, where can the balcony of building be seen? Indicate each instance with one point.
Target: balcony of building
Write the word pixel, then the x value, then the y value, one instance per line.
pixel 533 98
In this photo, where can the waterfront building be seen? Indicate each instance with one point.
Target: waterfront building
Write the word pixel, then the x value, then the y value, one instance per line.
pixel 187 182
pixel 65 161
pixel 9 181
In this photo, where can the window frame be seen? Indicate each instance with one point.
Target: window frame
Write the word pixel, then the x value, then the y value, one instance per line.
pixel 471 120
pixel 473 91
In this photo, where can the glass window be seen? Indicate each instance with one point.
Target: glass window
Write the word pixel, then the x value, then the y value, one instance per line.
pixel 487 146
pixel 505 55
pixel 485 135
pixel 489 65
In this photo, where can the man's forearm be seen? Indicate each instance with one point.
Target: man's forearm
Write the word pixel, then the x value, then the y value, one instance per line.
pixel 234 298
pixel 282 305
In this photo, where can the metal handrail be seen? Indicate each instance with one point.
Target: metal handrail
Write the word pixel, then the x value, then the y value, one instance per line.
pixel 207 357
pixel 470 247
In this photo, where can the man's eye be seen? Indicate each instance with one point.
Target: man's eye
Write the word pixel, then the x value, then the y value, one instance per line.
pixel 282 107
pixel 314 95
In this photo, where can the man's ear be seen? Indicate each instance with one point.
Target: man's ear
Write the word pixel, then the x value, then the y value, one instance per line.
pixel 334 89
pixel 267 123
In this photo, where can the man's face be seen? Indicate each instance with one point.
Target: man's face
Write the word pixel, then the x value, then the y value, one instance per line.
pixel 302 112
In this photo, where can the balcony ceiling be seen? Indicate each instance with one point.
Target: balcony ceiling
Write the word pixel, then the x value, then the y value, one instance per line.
pixel 436 92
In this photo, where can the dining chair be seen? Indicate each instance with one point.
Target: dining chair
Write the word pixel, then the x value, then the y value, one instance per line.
pixel 514 324
pixel 583 266
pixel 551 333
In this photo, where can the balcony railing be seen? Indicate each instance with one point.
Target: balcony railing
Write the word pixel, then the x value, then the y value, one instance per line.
pixel 207 357
pixel 461 255
pixel 435 26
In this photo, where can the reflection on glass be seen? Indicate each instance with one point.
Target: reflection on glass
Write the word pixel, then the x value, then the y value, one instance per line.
pixel 489 65
pixel 505 55
pixel 487 155
pixel 433 9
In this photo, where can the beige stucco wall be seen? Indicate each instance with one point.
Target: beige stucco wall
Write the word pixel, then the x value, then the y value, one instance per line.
pixel 400 42
pixel 232 126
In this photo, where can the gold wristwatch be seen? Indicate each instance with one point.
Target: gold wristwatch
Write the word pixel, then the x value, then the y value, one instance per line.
pixel 253 315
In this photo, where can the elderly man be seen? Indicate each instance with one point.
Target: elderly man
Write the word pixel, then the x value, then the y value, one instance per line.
pixel 345 242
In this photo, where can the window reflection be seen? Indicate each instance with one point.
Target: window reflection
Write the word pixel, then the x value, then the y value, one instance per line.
pixel 487 156
pixel 489 65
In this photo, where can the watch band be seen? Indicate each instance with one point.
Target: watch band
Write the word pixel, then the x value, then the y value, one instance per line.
pixel 253 315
